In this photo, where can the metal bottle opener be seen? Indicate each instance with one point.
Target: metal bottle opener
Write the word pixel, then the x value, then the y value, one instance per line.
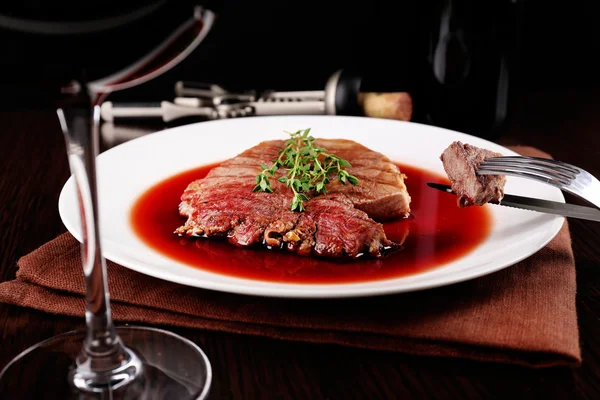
pixel 341 96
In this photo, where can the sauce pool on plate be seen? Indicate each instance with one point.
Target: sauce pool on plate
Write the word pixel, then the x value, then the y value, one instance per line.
pixel 437 232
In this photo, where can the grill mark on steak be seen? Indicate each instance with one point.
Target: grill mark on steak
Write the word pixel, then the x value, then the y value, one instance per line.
pixel 461 162
pixel 334 225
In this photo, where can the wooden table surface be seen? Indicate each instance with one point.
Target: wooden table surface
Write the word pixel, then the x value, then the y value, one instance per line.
pixel 33 169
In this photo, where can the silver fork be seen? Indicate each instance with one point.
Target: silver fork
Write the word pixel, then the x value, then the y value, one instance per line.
pixel 566 177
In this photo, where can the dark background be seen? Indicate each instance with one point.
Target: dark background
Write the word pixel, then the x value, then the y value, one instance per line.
pixel 284 45
pixel 289 45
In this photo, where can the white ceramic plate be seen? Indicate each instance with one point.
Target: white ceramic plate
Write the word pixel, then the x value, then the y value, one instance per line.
pixel 128 170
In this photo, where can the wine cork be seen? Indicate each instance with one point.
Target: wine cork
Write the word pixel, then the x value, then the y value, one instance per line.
pixel 397 105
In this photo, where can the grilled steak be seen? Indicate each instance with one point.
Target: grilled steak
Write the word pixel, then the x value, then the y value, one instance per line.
pixel 381 192
pixel 338 224
pixel 460 163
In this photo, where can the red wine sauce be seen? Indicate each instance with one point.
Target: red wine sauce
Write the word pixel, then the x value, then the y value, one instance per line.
pixel 437 232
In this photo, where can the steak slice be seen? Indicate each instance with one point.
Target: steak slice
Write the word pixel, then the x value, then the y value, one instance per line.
pixel 460 163
pixel 337 224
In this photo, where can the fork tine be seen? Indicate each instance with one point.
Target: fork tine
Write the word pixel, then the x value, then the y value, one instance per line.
pixel 525 173
pixel 554 164
pixel 561 175
pixel 533 168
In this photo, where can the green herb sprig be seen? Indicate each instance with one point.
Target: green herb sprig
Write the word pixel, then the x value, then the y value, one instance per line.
pixel 308 168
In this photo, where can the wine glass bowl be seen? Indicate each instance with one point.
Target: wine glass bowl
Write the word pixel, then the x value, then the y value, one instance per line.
pixel 104 361
pixel 45 46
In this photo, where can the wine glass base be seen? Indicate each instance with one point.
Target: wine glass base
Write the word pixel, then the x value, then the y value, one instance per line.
pixel 173 367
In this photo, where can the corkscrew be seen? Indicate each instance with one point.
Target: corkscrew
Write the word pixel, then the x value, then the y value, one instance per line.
pixel 341 96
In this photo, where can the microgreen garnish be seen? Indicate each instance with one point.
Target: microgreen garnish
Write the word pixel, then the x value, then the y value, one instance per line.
pixel 308 168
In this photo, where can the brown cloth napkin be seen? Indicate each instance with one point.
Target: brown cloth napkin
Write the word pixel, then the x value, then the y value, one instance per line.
pixel 524 314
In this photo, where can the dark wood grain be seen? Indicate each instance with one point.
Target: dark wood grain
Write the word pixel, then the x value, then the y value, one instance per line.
pixel 33 168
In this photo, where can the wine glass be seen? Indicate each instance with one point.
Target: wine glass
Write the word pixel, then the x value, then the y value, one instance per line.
pixel 104 361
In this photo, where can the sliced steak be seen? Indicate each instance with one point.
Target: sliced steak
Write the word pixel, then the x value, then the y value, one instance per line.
pixel 460 163
pixel 337 224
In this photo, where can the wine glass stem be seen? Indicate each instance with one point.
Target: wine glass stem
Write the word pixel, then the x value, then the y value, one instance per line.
pixel 103 351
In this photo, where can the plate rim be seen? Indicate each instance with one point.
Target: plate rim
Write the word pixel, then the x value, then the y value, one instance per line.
pixel 286 290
